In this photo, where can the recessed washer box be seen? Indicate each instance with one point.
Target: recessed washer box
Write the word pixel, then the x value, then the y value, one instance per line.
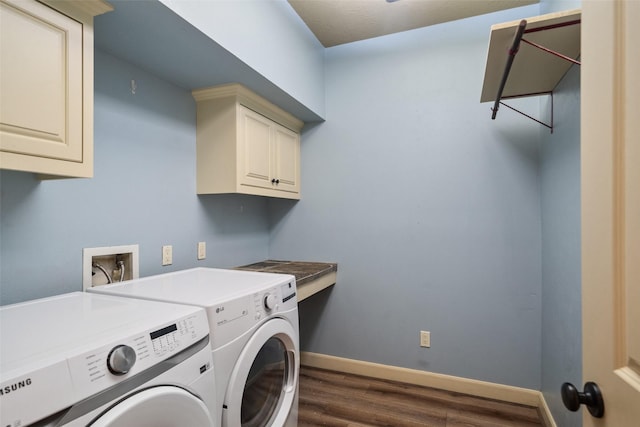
pixel 100 266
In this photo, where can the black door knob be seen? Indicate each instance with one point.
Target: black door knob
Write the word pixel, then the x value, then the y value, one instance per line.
pixel 591 397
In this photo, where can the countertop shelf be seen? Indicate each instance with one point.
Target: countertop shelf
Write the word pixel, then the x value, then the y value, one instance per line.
pixel 311 277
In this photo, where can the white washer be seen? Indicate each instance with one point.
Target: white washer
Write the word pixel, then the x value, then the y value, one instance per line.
pixel 253 318
pixel 92 360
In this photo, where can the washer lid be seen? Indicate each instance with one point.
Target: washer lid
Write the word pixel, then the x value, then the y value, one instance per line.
pixel 40 332
pixel 204 287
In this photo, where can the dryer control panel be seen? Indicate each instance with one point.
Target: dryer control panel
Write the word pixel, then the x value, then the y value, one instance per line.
pixel 243 313
pixel 278 298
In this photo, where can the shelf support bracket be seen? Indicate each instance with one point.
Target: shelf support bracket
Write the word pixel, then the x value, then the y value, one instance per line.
pixel 547 125
pixel 552 52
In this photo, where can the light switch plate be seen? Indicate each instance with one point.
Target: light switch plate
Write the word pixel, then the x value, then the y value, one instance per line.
pixel 202 250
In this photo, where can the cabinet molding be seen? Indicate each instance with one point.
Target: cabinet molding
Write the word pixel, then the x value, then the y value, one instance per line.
pixel 252 101
pixel 245 144
pixel 86 8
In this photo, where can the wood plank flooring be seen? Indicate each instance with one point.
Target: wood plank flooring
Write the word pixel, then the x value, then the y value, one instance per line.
pixel 336 399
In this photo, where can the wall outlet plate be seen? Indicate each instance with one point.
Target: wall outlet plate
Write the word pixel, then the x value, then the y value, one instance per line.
pixel 107 258
pixel 425 339
pixel 167 255
pixel 202 250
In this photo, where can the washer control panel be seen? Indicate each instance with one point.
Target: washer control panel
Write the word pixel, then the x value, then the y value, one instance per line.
pixel 121 359
pixel 103 367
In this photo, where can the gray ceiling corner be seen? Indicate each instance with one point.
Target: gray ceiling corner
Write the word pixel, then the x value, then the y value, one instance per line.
pixel 336 22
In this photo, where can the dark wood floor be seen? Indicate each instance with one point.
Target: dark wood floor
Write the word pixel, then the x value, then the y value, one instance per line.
pixel 337 399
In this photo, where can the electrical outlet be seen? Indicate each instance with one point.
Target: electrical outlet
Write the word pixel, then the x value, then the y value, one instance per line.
pixel 109 264
pixel 425 339
pixel 167 255
pixel 202 250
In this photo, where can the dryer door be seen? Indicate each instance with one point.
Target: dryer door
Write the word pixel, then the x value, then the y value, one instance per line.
pixel 161 406
pixel 264 382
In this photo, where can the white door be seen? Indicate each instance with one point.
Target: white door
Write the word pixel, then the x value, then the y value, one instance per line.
pixel 610 145
pixel 161 406
pixel 263 386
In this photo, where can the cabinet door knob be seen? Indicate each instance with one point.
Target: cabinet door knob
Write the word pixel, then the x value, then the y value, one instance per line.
pixel 591 398
pixel 275 181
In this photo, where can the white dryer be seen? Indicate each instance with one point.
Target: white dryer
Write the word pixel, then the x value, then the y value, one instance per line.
pixel 92 360
pixel 253 318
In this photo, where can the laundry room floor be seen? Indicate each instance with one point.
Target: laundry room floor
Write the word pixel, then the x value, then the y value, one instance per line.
pixel 336 399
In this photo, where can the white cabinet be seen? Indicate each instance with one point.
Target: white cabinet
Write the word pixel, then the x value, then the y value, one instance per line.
pixel 245 144
pixel 46 81
pixel 269 155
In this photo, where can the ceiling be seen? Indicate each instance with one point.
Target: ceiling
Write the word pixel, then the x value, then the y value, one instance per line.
pixel 337 22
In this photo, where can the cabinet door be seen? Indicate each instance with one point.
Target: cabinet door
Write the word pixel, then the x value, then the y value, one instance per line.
pixel 254 149
pixel 41 82
pixel 286 159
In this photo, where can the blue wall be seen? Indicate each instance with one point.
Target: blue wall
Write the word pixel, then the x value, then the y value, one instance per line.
pixel 561 241
pixel 561 262
pixel 431 209
pixel 143 192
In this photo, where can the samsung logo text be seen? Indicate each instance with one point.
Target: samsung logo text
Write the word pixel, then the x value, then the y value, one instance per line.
pixel 15 386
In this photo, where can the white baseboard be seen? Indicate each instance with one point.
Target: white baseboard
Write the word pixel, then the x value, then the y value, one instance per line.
pixel 478 388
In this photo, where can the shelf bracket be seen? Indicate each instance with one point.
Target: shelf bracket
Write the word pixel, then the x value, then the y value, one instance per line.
pixel 515 46
pixel 547 125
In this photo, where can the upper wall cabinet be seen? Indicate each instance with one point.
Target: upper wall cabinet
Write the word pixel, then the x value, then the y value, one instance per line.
pixel 46 81
pixel 245 144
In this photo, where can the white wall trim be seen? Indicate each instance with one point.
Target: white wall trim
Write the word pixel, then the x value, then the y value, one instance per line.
pixel 545 413
pixel 478 388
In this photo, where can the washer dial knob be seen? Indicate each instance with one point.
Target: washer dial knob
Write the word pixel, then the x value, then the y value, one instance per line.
pixel 269 301
pixel 121 359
